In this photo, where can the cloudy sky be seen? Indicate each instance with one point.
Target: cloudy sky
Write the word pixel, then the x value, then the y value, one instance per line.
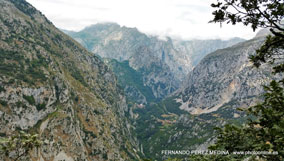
pixel 185 19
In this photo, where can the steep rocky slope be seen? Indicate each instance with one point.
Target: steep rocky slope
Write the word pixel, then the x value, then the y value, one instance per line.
pixel 162 63
pixel 51 85
pixel 198 49
pixel 222 82
pixel 224 77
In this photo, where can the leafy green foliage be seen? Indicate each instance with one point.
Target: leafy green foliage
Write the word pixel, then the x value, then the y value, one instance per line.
pixel 40 106
pixel 3 103
pixel 19 145
pixel 257 14
pixel 2 89
pixel 266 131
pixel 270 52
pixel 30 99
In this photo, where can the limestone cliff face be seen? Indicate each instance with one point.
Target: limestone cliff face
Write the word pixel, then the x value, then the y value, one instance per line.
pixel 198 49
pixel 163 63
pixel 156 74
pixel 51 85
pixel 224 77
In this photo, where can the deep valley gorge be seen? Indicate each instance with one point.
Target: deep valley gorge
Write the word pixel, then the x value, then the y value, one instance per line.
pixel 111 92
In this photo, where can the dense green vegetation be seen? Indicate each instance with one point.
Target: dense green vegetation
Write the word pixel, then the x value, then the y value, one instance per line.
pixel 266 131
pixel 40 106
pixel 158 124
pixel 257 14
pixel 127 76
pixel 156 134
pixel 30 99
pixel 3 103
pixel 2 89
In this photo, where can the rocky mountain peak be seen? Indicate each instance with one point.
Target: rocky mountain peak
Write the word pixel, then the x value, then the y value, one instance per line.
pixel 262 33
pixel 51 85
pixel 175 58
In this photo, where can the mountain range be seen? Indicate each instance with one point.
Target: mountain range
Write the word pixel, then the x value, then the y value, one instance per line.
pixel 208 79
pixel 161 64
pixel 114 93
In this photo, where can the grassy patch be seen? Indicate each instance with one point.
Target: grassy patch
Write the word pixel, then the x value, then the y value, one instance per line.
pixel 77 75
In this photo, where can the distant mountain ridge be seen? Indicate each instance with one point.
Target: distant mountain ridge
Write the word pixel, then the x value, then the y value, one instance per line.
pixel 164 64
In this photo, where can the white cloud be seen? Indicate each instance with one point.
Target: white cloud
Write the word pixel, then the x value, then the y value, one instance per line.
pixel 179 18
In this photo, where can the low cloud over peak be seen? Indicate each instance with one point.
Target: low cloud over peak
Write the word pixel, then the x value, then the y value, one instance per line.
pixel 179 18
